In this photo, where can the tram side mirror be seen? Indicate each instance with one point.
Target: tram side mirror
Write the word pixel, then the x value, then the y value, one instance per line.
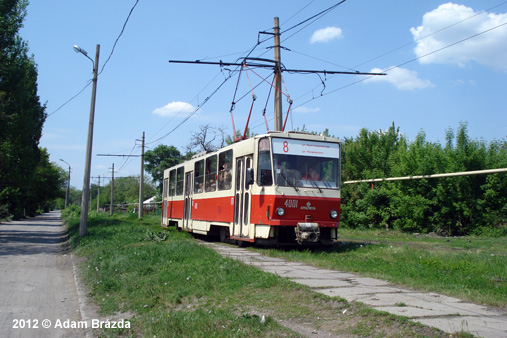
pixel 249 176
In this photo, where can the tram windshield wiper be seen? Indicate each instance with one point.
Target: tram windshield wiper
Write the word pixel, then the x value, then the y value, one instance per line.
pixel 316 185
pixel 288 182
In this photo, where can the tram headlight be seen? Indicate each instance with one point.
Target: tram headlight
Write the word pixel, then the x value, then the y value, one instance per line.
pixel 333 214
pixel 280 211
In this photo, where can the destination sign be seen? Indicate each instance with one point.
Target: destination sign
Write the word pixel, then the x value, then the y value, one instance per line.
pixel 305 148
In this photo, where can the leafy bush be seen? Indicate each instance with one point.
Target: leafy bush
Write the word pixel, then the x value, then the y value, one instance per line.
pixel 451 206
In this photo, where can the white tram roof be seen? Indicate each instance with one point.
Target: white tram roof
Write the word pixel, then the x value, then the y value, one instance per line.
pixel 300 135
pixel 245 145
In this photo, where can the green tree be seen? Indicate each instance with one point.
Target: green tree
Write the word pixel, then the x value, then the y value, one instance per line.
pixel 452 206
pixel 126 190
pixel 21 114
pixel 159 159
pixel 228 139
pixel 47 184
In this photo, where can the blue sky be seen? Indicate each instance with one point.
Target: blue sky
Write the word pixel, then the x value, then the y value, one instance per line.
pixel 438 84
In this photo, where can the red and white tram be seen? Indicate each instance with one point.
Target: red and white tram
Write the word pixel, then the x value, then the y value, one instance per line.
pixel 281 187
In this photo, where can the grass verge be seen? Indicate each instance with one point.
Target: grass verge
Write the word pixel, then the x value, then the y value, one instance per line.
pixel 174 287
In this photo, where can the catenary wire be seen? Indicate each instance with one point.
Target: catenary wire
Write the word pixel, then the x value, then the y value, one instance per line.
pixel 406 62
pixel 205 100
pixel 72 98
pixel 107 60
pixel 119 36
pixel 428 35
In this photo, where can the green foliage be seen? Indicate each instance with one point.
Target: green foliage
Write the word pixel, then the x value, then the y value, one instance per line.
pixel 153 236
pixel 21 120
pixel 239 133
pixel 159 159
pixel 126 190
pixel 449 206
pixel 71 212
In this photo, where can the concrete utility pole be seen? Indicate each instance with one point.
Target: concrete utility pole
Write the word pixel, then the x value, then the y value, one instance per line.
pixel 98 195
pixel 112 194
pixel 141 182
pixel 278 79
pixel 83 224
pixel 68 187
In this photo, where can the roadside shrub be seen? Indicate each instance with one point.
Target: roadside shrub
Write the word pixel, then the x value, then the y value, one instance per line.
pixel 72 211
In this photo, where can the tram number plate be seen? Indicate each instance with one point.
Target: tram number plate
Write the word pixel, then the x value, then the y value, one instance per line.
pixel 291 203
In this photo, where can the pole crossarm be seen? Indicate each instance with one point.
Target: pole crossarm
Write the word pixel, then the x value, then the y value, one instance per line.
pixel 261 65
pixel 328 72
pixel 406 178
pixel 221 63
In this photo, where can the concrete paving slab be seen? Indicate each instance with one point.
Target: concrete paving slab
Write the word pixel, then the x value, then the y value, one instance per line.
pixel 322 283
pixel 267 264
pixel 444 306
pixel 354 293
pixel 481 327
pixel 411 312
pixel 365 281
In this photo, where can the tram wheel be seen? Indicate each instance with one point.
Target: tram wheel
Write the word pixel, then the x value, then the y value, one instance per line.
pixel 241 244
pixel 224 234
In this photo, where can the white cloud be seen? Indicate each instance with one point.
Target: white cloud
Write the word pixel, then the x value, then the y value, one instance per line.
pixel 306 110
pixel 326 34
pixel 489 49
pixel 174 108
pixel 401 78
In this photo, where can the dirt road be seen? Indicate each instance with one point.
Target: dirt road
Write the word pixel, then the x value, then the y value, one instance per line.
pixel 37 290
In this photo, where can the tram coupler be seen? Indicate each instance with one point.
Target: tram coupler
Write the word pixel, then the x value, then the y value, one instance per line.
pixel 307 232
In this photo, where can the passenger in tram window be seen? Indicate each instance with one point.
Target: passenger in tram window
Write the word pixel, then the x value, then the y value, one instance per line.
pixel 227 179
pixel 312 174
pixel 224 177
pixel 225 174
pixel 210 185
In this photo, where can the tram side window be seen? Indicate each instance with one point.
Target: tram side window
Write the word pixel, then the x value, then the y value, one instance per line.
pixel 164 188
pixel 172 182
pixel 179 181
pixel 211 174
pixel 199 176
pixel 225 173
pixel 264 175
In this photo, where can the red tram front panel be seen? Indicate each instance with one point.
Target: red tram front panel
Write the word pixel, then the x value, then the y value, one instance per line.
pixel 297 209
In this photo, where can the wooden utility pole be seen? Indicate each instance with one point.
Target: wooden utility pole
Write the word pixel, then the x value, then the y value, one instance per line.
pixel 278 79
pixel 112 194
pixel 141 182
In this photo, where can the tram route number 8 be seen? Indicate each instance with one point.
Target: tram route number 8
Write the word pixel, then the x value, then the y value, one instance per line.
pixel 285 146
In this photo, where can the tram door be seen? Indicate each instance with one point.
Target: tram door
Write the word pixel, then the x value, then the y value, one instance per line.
pixel 242 196
pixel 187 208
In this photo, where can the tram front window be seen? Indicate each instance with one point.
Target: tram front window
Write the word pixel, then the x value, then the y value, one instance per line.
pixel 305 171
